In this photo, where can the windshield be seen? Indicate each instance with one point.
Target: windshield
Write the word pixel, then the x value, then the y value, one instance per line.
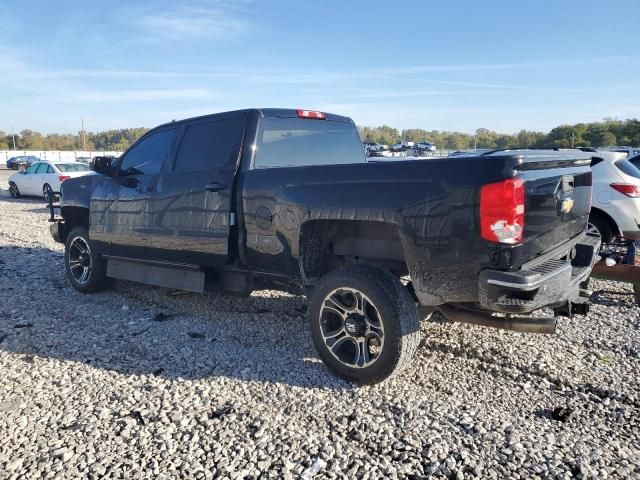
pixel 628 168
pixel 72 167
pixel 291 142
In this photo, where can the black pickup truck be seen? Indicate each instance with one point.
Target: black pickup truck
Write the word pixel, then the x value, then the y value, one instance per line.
pixel 286 199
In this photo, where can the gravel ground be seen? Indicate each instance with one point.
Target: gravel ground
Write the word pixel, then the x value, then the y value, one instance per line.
pixel 139 383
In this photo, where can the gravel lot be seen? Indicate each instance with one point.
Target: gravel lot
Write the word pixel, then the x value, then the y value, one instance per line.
pixel 139 383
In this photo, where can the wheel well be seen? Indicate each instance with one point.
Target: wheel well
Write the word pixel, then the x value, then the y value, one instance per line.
pixel 73 216
pixel 329 244
pixel 607 218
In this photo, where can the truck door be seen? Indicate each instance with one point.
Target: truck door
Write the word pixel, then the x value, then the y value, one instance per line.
pixel 193 200
pixel 121 206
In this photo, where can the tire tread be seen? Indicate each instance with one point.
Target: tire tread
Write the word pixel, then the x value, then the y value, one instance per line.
pixel 406 315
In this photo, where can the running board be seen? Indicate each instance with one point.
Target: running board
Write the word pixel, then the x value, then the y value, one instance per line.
pixel 168 275
pixel 485 319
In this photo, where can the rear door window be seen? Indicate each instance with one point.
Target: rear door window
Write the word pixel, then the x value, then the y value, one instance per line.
pixel 292 142
pixel 148 155
pixel 42 168
pixel 210 145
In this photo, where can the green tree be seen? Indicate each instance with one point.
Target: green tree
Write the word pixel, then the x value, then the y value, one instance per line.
pixel 30 140
pixel 605 139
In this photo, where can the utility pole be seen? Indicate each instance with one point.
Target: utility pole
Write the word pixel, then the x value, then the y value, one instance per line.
pixel 13 137
pixel 84 144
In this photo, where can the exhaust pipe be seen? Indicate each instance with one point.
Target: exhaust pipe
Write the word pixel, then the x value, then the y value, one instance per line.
pixel 516 324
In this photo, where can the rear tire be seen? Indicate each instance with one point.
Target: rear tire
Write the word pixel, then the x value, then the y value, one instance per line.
pixel 598 224
pixel 86 271
pixel 364 323
pixel 13 190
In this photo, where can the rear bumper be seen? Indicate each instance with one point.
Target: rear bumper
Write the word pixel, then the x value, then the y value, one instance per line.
pixel 551 282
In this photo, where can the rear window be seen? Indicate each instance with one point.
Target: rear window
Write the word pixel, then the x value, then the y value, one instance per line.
pixel 628 168
pixel 72 167
pixel 292 142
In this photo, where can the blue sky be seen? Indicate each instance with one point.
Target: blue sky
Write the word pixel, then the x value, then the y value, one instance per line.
pixel 446 65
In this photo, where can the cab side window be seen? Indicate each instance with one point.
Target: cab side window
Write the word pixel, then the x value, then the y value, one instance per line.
pixel 148 155
pixel 210 145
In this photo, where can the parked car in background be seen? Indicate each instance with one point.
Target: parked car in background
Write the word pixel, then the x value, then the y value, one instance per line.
pixel 426 146
pixel 615 208
pixel 375 149
pixel 44 178
pixel 14 163
pixel 83 159
pixel 630 151
pixel 402 146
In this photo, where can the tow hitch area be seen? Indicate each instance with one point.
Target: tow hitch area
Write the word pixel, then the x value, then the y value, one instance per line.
pixel 619 264
pixel 579 306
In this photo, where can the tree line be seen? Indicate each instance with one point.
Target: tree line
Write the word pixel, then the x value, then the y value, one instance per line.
pixel 607 133
pixel 109 140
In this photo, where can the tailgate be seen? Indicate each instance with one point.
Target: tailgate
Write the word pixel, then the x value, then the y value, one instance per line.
pixel 557 201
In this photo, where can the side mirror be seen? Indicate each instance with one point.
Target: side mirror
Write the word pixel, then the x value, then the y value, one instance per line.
pixel 103 165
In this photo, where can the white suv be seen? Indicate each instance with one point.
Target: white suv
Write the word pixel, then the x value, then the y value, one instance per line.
pixel 615 206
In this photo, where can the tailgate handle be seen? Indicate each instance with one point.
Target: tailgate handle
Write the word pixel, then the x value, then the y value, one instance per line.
pixel 215 187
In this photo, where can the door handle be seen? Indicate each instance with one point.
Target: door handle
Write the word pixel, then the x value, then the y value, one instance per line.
pixel 142 189
pixel 215 187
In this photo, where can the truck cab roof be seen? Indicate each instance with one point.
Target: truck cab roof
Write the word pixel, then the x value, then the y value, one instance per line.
pixel 261 112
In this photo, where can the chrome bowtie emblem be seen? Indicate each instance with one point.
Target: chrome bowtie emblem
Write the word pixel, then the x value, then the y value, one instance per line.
pixel 567 205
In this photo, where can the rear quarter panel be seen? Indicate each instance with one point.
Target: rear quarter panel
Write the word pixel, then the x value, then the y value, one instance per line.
pixel 431 202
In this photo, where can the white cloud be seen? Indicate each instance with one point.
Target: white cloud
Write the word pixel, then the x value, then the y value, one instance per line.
pixel 143 95
pixel 189 20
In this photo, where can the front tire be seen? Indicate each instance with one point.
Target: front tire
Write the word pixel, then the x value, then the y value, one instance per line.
pixel 13 190
pixel 85 269
pixel 364 323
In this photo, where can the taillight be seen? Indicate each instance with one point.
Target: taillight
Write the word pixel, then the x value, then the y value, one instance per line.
pixel 502 211
pixel 629 189
pixel 62 178
pixel 311 114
